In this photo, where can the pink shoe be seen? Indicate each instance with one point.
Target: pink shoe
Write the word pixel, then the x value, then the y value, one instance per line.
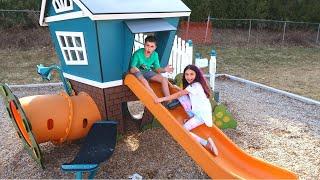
pixel 212 146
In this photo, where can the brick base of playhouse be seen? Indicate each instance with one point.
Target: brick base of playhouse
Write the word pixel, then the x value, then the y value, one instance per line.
pixel 112 103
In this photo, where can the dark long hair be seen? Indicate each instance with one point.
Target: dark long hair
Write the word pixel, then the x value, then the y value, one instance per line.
pixel 199 78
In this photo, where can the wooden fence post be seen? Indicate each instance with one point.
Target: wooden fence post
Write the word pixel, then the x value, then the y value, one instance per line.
pixel 284 31
pixel 205 38
pixel 249 31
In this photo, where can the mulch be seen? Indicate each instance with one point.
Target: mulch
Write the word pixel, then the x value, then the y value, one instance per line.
pixel 273 127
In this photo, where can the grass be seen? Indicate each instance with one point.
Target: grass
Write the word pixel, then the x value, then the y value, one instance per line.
pixel 293 69
pixel 19 66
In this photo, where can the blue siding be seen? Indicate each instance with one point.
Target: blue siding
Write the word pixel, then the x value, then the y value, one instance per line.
pixel 91 71
pixel 112 48
pixel 51 12
pixel 165 41
pixel 129 41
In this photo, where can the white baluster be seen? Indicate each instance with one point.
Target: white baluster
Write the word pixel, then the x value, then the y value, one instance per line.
pixel 170 63
pixel 189 51
pixel 179 58
pixel 183 55
pixel 144 37
pixel 141 40
pixel 174 56
pixel 135 44
pixel 212 68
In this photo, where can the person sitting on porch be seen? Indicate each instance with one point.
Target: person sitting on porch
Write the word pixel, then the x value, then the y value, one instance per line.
pixel 145 66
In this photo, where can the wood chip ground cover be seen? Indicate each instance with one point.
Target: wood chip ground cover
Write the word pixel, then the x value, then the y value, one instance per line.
pixel 280 130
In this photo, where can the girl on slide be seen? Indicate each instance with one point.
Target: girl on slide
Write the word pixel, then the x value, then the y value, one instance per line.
pixel 195 99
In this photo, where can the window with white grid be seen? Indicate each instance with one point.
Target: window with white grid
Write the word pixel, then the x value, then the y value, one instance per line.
pixel 62 5
pixel 72 47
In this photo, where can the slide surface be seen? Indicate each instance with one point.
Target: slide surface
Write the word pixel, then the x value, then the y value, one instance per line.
pixel 232 162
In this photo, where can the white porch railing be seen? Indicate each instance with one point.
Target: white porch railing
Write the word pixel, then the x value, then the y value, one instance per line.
pixel 181 56
pixel 138 41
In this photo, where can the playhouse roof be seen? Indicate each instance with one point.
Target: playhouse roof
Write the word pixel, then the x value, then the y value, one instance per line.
pixel 136 6
pixel 119 9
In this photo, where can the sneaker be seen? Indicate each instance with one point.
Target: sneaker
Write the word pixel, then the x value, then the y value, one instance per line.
pixel 173 104
pixel 185 120
pixel 212 146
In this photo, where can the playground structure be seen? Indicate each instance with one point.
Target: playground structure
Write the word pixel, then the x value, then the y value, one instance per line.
pixel 94 46
pixel 56 118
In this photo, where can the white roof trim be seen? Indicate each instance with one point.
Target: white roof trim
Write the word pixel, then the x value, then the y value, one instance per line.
pixel 138 16
pixel 94 83
pixel 61 17
pixel 86 13
pixel 81 14
pixel 83 7
pixel 41 18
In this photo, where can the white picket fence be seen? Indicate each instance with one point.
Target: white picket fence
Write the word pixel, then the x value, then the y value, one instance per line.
pixel 180 57
pixel 138 41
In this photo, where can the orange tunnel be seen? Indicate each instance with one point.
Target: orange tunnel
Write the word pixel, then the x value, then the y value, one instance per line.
pixel 57 118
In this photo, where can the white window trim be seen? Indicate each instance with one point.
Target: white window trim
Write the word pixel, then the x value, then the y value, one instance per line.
pixel 62 5
pixel 94 83
pixel 82 48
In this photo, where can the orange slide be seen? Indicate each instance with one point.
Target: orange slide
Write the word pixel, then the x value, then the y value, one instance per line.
pixel 232 162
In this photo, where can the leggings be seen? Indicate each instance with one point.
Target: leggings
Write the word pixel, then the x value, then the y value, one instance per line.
pixel 192 123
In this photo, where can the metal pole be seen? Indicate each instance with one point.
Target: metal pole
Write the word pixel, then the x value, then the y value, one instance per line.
pixel 205 38
pixel 249 31
pixel 284 30
pixel 187 33
pixel 318 34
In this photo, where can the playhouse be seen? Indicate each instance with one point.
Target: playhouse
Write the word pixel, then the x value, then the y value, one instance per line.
pixel 94 41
